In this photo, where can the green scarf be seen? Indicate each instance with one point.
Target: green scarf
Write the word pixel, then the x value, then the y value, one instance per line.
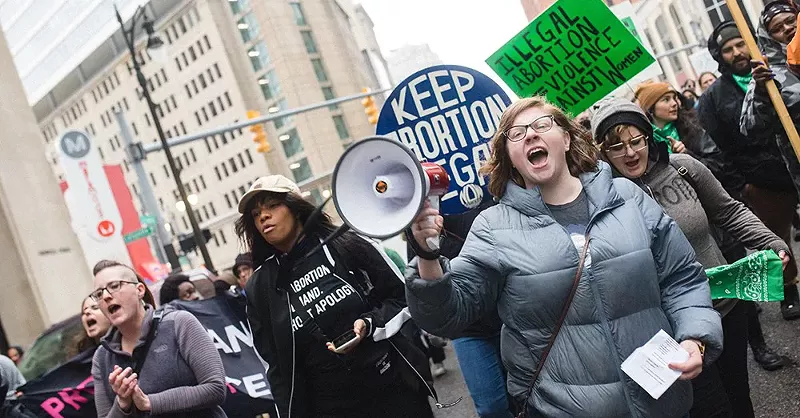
pixel 757 277
pixel 742 80
pixel 661 134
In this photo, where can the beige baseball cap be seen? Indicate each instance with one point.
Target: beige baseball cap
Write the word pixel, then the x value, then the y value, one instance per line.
pixel 275 183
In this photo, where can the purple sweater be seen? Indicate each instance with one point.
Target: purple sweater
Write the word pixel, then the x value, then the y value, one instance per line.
pixel 183 374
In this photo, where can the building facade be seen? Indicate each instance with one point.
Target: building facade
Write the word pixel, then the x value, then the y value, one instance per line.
pixel 673 24
pixel 223 58
pixel 44 276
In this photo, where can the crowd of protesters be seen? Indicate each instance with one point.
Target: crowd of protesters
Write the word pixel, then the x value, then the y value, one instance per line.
pixel 354 330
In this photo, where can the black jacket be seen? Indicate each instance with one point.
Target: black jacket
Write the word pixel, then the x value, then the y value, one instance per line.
pixel 456 229
pixel 378 281
pixel 753 159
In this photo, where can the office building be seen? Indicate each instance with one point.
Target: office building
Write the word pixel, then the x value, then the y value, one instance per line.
pixel 223 58
pixel 44 276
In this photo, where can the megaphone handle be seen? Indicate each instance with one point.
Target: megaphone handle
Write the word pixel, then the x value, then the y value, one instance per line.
pixel 433 242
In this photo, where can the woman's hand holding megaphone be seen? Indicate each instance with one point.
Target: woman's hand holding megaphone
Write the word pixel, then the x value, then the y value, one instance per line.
pixel 428 224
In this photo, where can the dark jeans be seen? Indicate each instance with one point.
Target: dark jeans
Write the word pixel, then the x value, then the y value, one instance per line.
pixel 776 210
pixel 395 401
pixel 723 389
pixel 710 399
pixel 733 361
pixel 484 374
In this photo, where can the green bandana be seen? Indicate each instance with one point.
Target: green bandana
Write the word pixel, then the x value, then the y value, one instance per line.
pixel 742 80
pixel 661 134
pixel 757 277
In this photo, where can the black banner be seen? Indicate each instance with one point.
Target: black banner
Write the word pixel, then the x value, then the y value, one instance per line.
pixel 68 391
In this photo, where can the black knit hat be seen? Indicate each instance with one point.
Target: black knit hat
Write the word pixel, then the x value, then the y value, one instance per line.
pixel 775 8
pixel 242 260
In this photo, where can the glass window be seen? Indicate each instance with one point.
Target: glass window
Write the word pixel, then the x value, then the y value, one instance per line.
pixel 661 27
pixel 319 69
pixel 341 127
pixel 679 27
pixel 248 27
pixel 299 16
pixel 270 86
pixel 301 170
pixel 237 6
pixel 291 143
pixel 308 40
pixel 259 56
pixel 279 123
pixel 329 95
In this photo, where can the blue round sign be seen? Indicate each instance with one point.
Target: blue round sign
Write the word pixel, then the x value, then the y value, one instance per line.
pixel 447 114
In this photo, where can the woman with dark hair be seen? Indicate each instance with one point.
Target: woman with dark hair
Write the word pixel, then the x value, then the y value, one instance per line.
pixel 300 301
pixel 176 287
pixel 15 353
pixel 158 363
pixel 691 195
pixel 677 125
pixel 563 231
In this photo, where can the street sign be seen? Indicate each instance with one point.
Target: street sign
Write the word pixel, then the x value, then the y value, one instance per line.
pixel 138 234
pixel 574 53
pixel 447 114
pixel 148 219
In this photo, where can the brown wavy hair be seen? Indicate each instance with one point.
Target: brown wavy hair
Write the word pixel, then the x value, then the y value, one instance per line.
pixel 104 264
pixel 82 341
pixel 581 156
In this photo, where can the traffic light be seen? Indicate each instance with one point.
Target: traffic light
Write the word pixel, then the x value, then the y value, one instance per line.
pixel 188 243
pixel 369 108
pixel 259 136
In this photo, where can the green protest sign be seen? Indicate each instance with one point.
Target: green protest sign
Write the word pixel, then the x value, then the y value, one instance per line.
pixel 575 53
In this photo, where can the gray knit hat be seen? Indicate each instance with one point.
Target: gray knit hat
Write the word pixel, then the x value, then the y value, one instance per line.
pixel 611 112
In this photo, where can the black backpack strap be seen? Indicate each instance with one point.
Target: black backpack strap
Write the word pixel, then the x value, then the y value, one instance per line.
pixel 684 172
pixel 140 355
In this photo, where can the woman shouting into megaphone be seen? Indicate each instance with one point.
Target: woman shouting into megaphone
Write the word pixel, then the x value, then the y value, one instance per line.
pixel 582 268
pixel 330 323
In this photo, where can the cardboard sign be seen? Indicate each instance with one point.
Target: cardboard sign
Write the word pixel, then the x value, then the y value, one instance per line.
pixel 447 114
pixel 574 53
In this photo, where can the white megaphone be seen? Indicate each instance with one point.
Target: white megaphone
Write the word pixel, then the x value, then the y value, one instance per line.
pixel 379 187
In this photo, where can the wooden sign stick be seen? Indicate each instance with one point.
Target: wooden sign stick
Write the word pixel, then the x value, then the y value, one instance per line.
pixel 772 88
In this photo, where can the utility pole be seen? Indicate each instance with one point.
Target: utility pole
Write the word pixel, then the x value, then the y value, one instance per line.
pixel 152 43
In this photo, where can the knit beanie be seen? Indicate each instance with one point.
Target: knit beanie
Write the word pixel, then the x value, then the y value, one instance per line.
pixel 647 94
pixel 242 260
pixel 725 34
pixel 616 111
pixel 773 9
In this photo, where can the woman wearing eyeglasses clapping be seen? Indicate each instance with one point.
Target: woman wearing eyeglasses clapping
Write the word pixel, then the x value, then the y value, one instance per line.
pixel 159 365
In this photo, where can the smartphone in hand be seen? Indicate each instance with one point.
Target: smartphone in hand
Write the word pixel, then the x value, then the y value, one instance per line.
pixel 344 341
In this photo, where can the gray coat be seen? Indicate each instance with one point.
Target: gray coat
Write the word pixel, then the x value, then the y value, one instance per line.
pixel 758 113
pixel 642 277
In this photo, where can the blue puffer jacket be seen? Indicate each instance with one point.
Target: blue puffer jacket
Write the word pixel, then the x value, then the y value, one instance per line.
pixel 642 277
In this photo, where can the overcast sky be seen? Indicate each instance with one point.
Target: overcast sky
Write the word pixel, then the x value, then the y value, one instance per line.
pixel 461 32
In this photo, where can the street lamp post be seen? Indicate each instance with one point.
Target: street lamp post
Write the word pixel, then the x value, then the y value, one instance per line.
pixel 152 43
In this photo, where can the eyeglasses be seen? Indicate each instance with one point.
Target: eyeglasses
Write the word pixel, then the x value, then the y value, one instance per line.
pixel 539 125
pixel 112 288
pixel 618 150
